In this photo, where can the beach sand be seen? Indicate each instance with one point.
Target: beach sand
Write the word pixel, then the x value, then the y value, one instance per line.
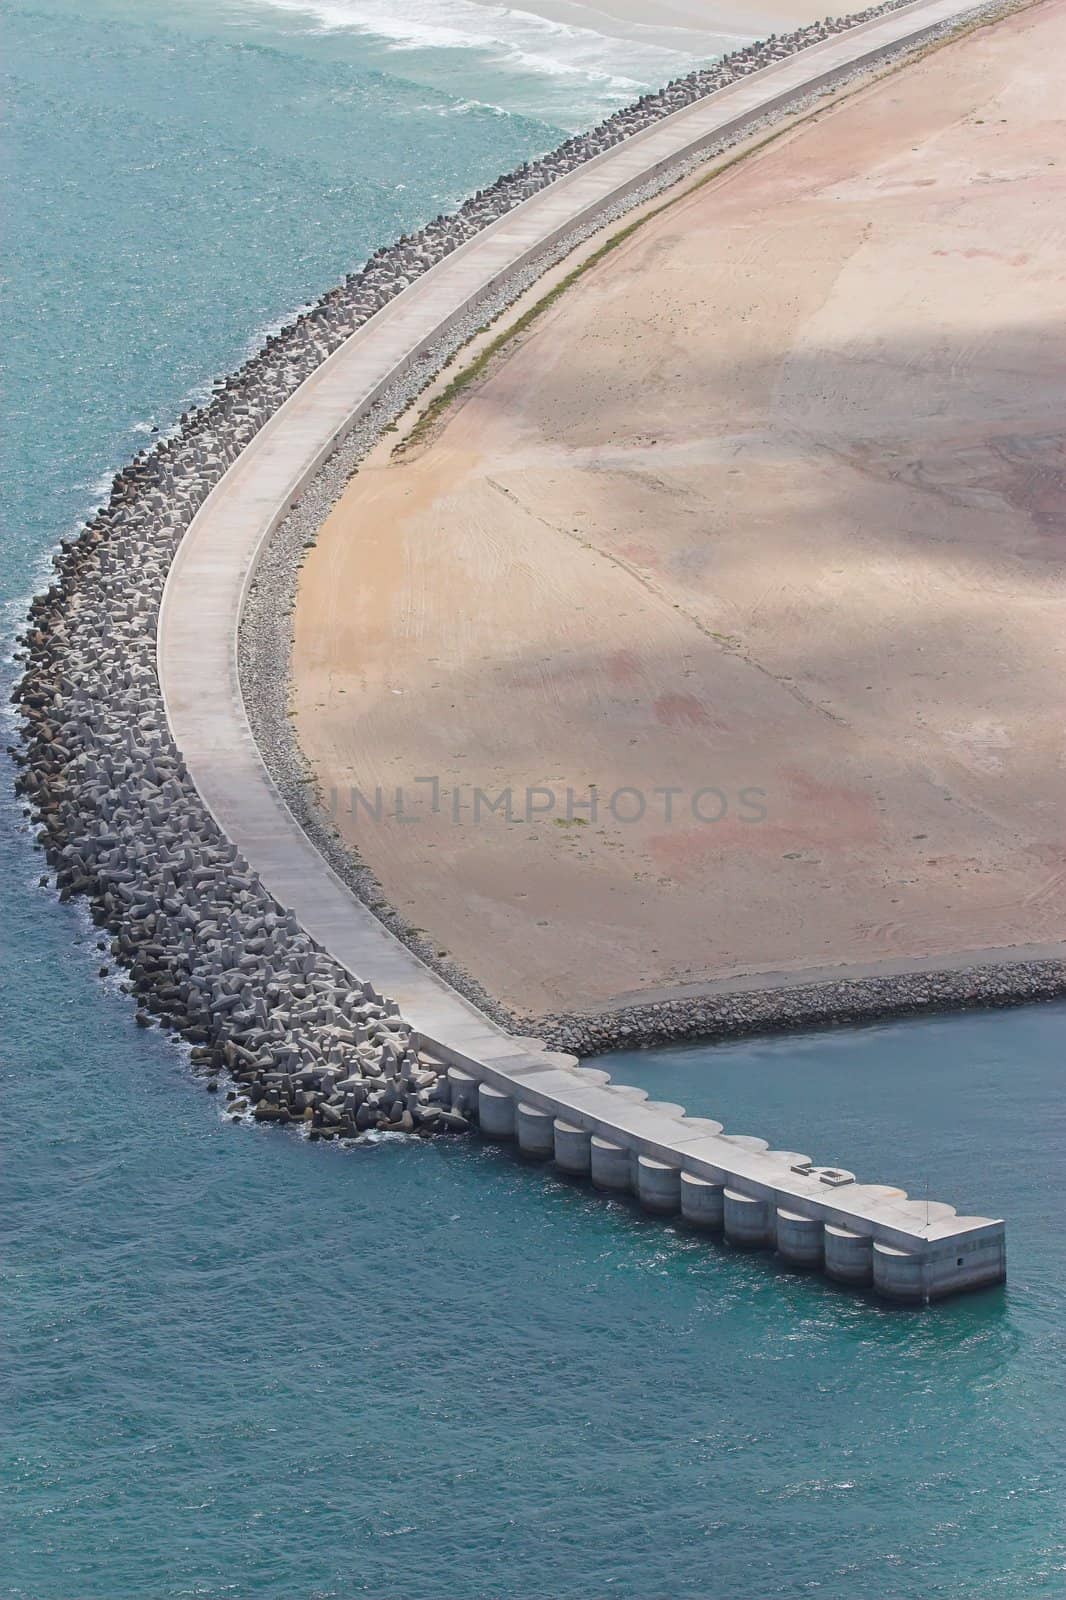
pixel 772 499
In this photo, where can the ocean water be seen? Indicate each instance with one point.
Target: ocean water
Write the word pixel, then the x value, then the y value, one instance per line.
pixel 236 1364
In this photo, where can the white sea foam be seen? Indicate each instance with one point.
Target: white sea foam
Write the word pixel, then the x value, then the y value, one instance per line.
pixel 612 65
pixel 464 108
pixel 99 490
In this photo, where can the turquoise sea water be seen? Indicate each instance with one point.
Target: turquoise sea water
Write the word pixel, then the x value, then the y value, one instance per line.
pixel 236 1364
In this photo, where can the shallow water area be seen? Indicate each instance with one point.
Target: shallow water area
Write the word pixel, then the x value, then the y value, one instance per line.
pixel 238 1363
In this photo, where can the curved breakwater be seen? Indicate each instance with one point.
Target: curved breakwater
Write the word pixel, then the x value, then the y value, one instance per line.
pixel 208 949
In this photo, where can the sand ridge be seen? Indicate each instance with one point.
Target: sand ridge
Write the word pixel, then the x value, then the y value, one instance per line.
pixel 770 501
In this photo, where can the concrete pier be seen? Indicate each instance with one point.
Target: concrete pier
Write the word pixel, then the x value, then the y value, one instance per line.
pixel 702 1125
pixel 522 1090
pixel 815 1216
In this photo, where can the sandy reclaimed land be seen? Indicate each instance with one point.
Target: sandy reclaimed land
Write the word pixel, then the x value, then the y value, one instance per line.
pixel 772 499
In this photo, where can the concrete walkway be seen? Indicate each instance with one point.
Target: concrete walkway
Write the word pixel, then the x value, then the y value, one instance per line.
pixel 205 592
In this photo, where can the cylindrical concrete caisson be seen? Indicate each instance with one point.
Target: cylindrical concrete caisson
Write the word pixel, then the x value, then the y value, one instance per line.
pixel 463 1087
pixel 897 1273
pixel 495 1112
pixel 702 1201
pixel 572 1152
pixel 848 1255
pixel 658 1185
pixel 748 1220
pixel 611 1165
pixel 799 1238
pixel 536 1133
